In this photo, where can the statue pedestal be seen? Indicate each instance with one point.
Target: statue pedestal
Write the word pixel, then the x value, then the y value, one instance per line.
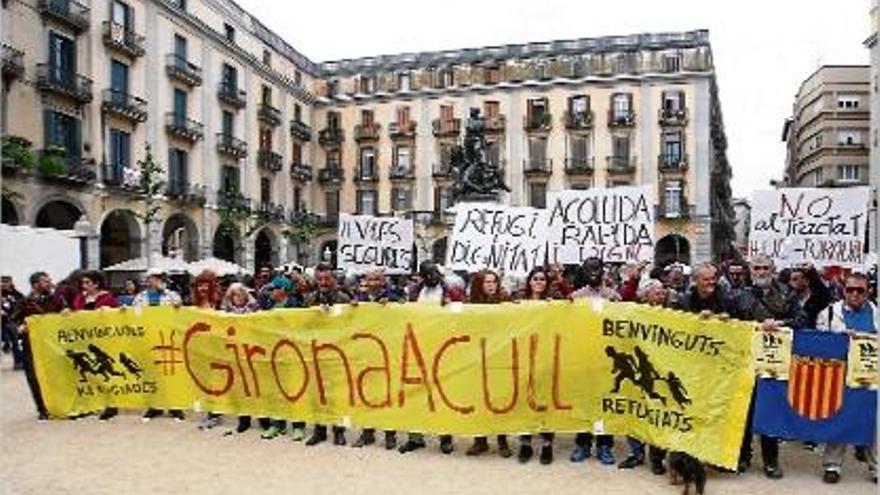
pixel 478 198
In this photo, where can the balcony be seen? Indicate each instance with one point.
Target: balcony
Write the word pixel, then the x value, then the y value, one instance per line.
pixel 401 173
pixel 300 130
pixel 124 105
pixel 229 145
pixel 301 172
pixel 56 167
pixel 368 176
pixel 537 167
pixel 331 176
pixel 184 192
pixel 270 161
pixel 402 130
pixel 541 122
pixel 233 200
pixel 441 171
pixel 69 13
pixel 328 220
pixel 579 166
pixel 270 212
pixel 184 128
pixel 446 128
pixel 672 162
pixel 625 118
pixel 54 80
pixel 127 179
pixel 178 68
pixel 495 124
pixel 331 137
pixel 366 132
pixel 578 121
pixel 269 115
pixel 230 94
pixel 122 39
pixel 619 165
pixel 13 63
pixel 669 211
pixel 672 116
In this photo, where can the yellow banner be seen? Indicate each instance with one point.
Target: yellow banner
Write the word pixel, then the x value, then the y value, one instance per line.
pixel 671 379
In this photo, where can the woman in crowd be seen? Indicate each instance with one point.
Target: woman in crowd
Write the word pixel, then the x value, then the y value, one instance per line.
pixel 206 295
pixel 238 300
pixel 128 292
pixel 486 289
pixel 539 286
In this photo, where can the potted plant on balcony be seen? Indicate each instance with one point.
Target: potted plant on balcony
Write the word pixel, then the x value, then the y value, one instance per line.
pixel 52 161
pixel 17 153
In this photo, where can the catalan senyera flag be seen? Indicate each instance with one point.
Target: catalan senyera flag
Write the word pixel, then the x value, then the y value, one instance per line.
pixel 815 404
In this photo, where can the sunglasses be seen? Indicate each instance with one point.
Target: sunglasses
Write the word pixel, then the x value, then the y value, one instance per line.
pixel 761 267
pixel 855 290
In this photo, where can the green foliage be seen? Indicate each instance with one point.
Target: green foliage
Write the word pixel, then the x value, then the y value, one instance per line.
pixel 234 210
pixel 18 151
pixel 301 228
pixel 52 163
pixel 152 184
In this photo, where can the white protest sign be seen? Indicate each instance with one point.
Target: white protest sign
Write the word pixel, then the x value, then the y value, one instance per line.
pixel 615 224
pixel 504 239
pixel 367 243
pixel 819 225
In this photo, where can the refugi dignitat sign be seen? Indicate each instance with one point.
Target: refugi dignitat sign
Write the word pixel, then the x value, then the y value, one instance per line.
pixel 505 239
pixel 822 226
pixel 614 224
pixel 367 243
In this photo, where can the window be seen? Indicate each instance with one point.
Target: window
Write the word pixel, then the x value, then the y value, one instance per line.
pixel 366 202
pixel 536 110
pixel 266 95
pixel 848 173
pixel 401 199
pixel 849 137
pixel 178 175
pixel 401 160
pixel 537 153
pixel 333 87
pixel 228 123
pixel 442 198
pixel 230 33
pixel 230 78
pixel 491 109
pixel 447 78
pixel 119 81
pixel 367 169
pixel 579 149
pixel 331 203
pixel 180 50
pixel 229 179
pixel 333 120
pixel 672 148
pixel 366 118
pixel 297 112
pixel 179 106
pixel 297 77
pixel 265 190
pixel 817 141
pixel 402 116
pixel 267 57
pixel 403 81
pixel 621 105
pixel 673 101
pixel 580 186
pixel 63 131
pixel 671 63
pixel 492 75
pixel 266 139
pixel 334 159
pixel 180 4
pixel 122 15
pixel 620 148
pixel 447 113
pixel 624 63
pixel 672 199
pixel 817 176
pixel 579 105
pixel 538 195
pixel 493 152
pixel 296 153
pixel 848 101
pixel 120 154
pixel 297 199
pixel 366 84
pixel 62 59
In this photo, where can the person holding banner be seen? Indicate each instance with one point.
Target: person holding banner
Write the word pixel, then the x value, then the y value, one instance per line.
pixel 539 287
pixel 326 295
pixel 206 295
pixel 594 276
pixel 854 314
pixel 809 292
pixel 239 301
pixel 486 289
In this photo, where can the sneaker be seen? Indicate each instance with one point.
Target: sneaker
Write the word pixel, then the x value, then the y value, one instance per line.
pixel 503 448
pixel 631 462
pixel 831 477
pixel 298 434
pixel 743 466
pixel 108 413
pixel 773 471
pixel 580 454
pixel 177 414
pixel 366 438
pixel 42 417
pixel 272 432
pixel 316 438
pixel 525 453
pixel 479 447
pixel 150 414
pixel 339 438
pixel 658 468
pixel 605 456
pixel 546 454
pixel 446 445
pixel 390 440
pixel 210 421
pixel 411 445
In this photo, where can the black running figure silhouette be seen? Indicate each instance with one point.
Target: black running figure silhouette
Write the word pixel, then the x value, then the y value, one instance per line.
pixel 624 367
pixel 104 363
pixel 676 388
pixel 130 364
pixel 647 376
pixel 82 363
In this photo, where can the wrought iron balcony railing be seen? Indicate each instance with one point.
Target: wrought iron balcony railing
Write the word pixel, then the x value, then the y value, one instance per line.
pixel 182 70
pixel 124 105
pixel 123 39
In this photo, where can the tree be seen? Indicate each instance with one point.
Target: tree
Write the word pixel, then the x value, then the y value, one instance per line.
pixel 301 229
pixel 151 183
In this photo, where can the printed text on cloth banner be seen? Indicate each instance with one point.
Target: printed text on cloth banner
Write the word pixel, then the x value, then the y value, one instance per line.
pixel 669 378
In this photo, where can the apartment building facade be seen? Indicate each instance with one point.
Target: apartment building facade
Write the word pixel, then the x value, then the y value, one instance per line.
pixel 250 133
pixel 828 134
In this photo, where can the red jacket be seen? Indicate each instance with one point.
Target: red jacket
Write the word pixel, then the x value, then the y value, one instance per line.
pixel 104 300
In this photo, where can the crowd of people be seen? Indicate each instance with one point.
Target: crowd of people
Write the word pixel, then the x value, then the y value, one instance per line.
pixel 800 298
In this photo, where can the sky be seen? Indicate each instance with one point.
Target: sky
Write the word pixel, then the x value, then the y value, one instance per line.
pixel 762 50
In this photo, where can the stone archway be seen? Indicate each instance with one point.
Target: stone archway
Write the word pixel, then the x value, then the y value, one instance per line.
pixel 265 248
pixel 10 213
pixel 58 214
pixel 180 236
pixel 225 246
pixel 121 237
pixel 670 248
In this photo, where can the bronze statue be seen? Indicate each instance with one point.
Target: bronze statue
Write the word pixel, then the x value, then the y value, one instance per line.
pixel 476 177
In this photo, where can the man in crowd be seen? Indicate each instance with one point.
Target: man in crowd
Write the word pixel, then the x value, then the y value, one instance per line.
pixel 737 274
pixel 326 294
pixel 704 296
pixel 41 300
pixel 809 292
pixel 11 298
pixel 854 314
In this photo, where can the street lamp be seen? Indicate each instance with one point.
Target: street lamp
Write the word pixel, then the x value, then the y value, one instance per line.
pixel 83 230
